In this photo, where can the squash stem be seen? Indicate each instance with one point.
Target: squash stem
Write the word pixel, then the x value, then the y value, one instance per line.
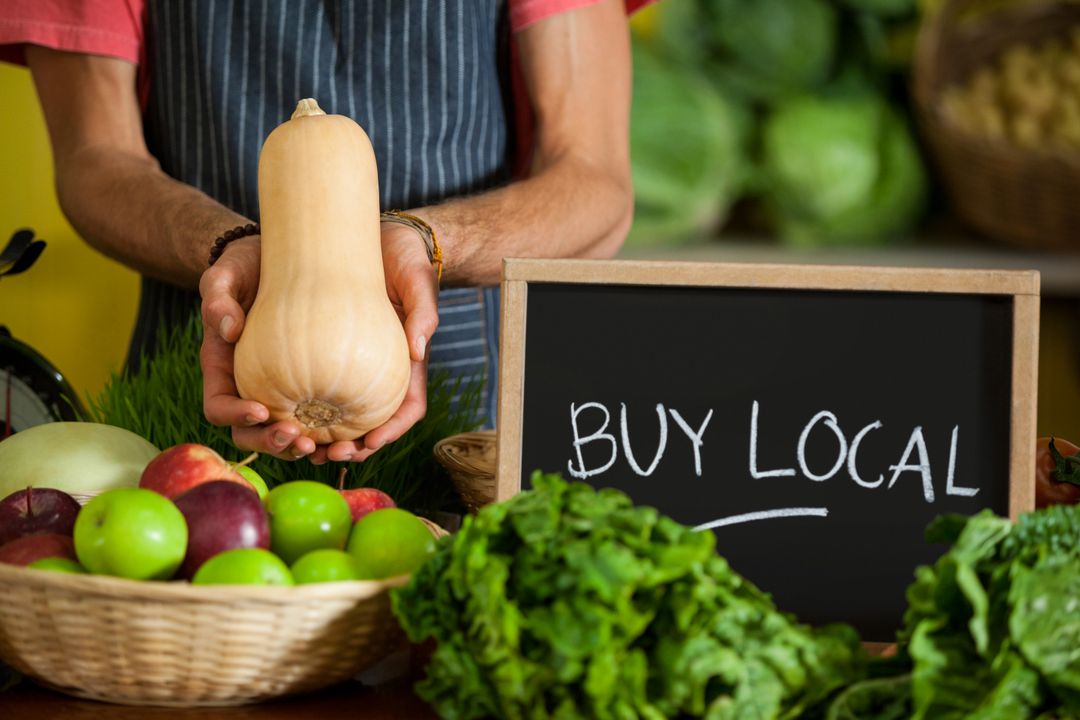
pixel 306 108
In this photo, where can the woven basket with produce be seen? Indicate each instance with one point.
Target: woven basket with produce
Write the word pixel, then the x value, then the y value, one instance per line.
pixel 997 86
pixel 177 584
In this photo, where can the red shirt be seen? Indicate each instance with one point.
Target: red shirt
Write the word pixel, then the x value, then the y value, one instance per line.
pixel 114 27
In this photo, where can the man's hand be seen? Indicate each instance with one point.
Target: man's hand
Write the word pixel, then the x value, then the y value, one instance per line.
pixel 228 290
pixel 414 292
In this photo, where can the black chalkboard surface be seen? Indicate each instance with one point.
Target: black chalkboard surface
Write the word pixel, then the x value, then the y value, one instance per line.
pixel 815 430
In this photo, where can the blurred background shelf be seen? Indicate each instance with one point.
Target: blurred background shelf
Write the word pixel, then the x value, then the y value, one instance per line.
pixel 1060 273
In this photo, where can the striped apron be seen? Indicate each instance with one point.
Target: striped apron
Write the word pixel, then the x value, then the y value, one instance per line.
pixel 427 80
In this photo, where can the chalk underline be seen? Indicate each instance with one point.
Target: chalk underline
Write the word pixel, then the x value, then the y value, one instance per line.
pixel 765 515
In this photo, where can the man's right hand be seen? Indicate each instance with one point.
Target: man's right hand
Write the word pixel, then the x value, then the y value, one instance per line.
pixel 228 289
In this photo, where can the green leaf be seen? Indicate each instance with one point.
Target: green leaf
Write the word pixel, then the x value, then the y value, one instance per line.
pixel 1045 624
pixel 1066 469
pixel 949 678
pixel 879 699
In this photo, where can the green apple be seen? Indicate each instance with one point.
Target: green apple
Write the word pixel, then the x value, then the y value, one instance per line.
pixel 326 565
pixel 132 533
pixel 390 542
pixel 255 479
pixel 243 566
pixel 58 564
pixel 305 516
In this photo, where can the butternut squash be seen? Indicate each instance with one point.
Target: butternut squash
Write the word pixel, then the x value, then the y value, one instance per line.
pixel 322 344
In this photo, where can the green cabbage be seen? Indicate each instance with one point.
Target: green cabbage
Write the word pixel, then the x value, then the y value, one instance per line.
pixel 841 169
pixel 768 49
pixel 687 151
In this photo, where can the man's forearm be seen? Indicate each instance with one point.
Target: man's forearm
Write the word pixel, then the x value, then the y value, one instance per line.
pixel 570 209
pixel 578 199
pixel 108 184
pixel 128 209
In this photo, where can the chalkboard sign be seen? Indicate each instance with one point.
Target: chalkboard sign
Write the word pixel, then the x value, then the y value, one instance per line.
pixel 816 419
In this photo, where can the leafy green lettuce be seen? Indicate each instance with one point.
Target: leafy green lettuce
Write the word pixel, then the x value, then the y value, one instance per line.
pixel 992 629
pixel 567 602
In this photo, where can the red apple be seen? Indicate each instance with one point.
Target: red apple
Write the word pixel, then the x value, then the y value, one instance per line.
pixel 28 548
pixel 364 500
pixel 180 468
pixel 36 511
pixel 221 516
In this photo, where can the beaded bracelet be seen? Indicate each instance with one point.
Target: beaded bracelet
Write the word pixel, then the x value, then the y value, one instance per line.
pixel 431 243
pixel 235 234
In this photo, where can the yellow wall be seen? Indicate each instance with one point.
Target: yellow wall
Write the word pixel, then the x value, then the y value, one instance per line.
pixel 75 306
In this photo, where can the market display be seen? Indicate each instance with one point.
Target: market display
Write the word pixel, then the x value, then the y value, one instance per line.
pixel 322 345
pixel 565 601
pixel 562 601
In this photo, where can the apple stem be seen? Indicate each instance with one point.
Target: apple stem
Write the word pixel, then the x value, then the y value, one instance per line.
pixel 246 461
pixel 29 501
pixel 341 478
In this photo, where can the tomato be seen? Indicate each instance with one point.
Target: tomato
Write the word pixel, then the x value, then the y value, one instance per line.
pixel 1057 472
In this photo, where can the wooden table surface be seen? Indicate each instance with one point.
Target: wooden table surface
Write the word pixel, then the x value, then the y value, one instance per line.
pixel 393 701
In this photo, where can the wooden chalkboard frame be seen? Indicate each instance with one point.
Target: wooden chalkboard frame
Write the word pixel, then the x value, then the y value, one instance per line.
pixel 1021 285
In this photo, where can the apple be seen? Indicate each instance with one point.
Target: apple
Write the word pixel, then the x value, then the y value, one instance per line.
pixel 364 500
pixel 36 511
pixel 255 479
pixel 132 533
pixel 306 515
pixel 390 542
pixel 58 564
pixel 221 516
pixel 325 565
pixel 28 548
pixel 182 467
pixel 244 566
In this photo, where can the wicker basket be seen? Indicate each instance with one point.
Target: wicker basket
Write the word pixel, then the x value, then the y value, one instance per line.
pixel 177 644
pixel 469 458
pixel 1010 194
